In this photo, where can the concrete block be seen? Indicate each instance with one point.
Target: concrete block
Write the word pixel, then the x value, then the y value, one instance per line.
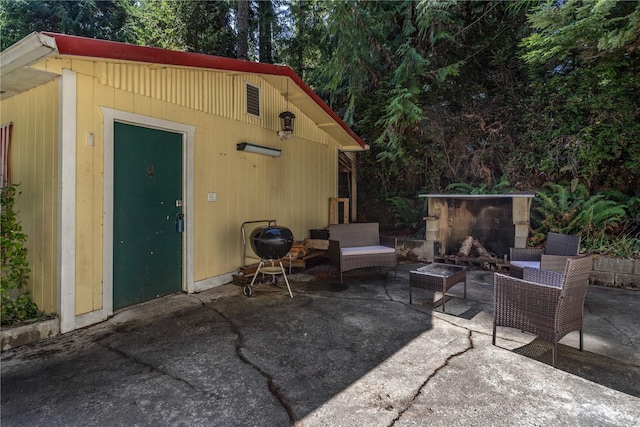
pixel 612 264
pixel 415 249
pixel 627 280
pixel 433 224
pixel 636 267
pixel 11 337
pixel 602 278
pixel 431 236
pixel 522 230
pixel 521 210
pixel 520 242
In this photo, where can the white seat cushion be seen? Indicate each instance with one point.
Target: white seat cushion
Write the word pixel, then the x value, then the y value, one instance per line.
pixel 367 250
pixel 529 264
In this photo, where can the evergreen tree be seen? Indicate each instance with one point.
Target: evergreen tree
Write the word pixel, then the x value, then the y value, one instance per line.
pixel 584 59
pixel 104 19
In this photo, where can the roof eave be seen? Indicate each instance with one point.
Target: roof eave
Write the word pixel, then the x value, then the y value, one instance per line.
pixel 323 114
pixel 15 74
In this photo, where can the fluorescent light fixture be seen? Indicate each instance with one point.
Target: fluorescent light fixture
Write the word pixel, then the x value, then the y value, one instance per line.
pixel 258 149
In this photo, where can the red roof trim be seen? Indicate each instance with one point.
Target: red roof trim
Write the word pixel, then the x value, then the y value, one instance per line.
pixel 82 46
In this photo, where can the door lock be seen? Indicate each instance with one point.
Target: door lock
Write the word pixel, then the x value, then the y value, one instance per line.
pixel 180 223
pixel 178 203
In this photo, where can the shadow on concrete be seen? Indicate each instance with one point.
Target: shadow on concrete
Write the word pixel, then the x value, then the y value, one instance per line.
pixel 611 373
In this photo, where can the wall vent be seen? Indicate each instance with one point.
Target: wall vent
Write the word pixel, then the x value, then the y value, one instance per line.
pixel 253 100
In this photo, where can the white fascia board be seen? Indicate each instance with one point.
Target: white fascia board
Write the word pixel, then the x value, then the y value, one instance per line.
pixel 31 49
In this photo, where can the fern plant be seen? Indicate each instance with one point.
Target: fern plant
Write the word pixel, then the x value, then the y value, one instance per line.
pixel 501 186
pixel 409 213
pixel 572 210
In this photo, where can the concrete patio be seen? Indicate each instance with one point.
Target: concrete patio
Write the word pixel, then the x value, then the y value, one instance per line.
pixel 352 354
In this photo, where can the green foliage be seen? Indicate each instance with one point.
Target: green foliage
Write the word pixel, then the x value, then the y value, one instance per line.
pixel 193 26
pixel 620 246
pixel 572 210
pixel 582 29
pixel 16 304
pixel 409 213
pixel 584 117
pixel 103 19
pixel 502 186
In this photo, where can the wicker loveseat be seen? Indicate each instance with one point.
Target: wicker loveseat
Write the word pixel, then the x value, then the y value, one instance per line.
pixel 558 248
pixel 545 303
pixel 360 245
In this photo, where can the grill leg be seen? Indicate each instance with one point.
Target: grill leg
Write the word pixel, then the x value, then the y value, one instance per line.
pixel 285 279
pixel 248 290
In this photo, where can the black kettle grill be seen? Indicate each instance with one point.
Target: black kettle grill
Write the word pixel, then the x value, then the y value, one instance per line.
pixel 271 242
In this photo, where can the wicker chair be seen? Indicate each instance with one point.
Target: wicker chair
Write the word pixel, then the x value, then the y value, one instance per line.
pixel 554 256
pixel 545 303
pixel 360 245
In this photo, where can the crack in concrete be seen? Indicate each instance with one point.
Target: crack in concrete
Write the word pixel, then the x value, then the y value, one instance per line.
pixel 274 389
pixel 153 368
pixel 433 374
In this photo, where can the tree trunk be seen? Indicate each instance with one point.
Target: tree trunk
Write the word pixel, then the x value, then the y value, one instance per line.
pixel 266 18
pixel 299 41
pixel 243 29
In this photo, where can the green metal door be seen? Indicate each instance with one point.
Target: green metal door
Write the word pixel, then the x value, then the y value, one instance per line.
pixel 147 186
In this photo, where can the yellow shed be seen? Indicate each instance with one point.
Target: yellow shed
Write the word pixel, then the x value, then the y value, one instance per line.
pixel 138 166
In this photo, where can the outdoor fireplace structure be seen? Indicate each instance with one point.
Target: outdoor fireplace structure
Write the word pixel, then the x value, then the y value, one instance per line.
pixel 497 221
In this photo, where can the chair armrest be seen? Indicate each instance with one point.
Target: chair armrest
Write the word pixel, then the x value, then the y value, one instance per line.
pixel 554 262
pixel 543 277
pixel 525 254
pixel 388 241
pixel 522 284
pixel 334 246
pixel 513 292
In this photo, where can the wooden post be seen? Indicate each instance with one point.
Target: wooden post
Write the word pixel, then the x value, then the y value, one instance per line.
pixel 354 189
pixel 334 210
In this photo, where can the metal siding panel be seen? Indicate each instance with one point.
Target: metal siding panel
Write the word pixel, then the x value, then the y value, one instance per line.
pixel 97 127
pixel 37 164
pixel 101 73
pixel 49 236
pixel 141 104
pixel 127 78
pixel 200 187
pixel 33 166
pixel 123 100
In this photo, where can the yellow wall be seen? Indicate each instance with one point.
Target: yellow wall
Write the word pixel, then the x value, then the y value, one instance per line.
pixel 294 189
pixel 34 166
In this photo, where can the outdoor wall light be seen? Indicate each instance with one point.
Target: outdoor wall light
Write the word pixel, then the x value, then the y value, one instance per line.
pixel 286 124
pixel 258 149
